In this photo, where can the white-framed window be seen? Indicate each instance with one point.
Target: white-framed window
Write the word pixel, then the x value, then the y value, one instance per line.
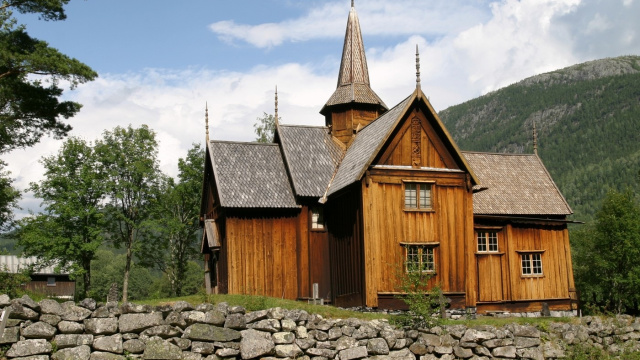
pixel 420 258
pixel 487 241
pixel 317 218
pixel 417 195
pixel 531 263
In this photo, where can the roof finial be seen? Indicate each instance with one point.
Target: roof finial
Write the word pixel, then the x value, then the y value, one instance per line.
pixel 352 3
pixel 535 138
pixel 206 119
pixel 276 116
pixel 417 68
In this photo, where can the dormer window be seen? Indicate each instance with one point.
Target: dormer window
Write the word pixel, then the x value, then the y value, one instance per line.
pixel 417 196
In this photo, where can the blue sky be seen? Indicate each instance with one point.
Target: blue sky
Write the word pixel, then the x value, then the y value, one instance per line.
pixel 159 61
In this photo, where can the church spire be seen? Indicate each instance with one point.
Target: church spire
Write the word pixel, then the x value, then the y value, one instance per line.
pixel 206 120
pixel 275 122
pixel 417 68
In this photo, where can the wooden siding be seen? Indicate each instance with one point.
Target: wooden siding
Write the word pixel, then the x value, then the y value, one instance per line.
pixel 64 287
pixel 262 255
pixel 387 225
pixel 346 122
pixel 557 277
pixel 344 218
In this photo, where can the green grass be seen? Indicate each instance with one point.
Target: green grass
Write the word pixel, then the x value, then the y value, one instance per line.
pixel 541 323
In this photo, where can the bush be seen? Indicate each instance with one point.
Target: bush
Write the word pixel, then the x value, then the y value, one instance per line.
pixel 12 284
pixel 425 305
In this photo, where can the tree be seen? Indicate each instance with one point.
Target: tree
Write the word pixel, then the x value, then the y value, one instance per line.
pixel 30 73
pixel 606 254
pixel 265 127
pixel 178 213
pixel 70 230
pixel 129 158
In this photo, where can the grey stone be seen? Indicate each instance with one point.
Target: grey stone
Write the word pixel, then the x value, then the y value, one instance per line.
pixel 235 321
pixel 345 342
pixel 504 352
pixel 365 332
pixel 482 351
pixel 400 344
pixel 70 327
pixel 101 355
pixel 256 343
pixel 530 353
pixel 204 332
pixel 72 340
pixel 203 348
pixel 325 353
pixel 71 312
pixel 347 330
pixel 188 355
pixel 48 306
pixel 130 336
pixel 276 313
pixel 301 332
pixel 161 349
pixel 175 319
pixel 442 350
pixel 82 352
pixel 334 333
pixel 88 303
pixel 377 346
pixel 25 300
pixel 255 316
pixel 112 344
pixel 288 350
pixel 101 326
pixel 270 325
pixel 133 346
pixel 552 350
pixel 104 312
pixel 403 354
pixel 526 342
pixel 473 335
pixel 29 347
pixel 318 335
pixel 139 322
pixel 430 340
pixel 280 338
pixel 353 353
pixel 163 331
pixel 419 349
pixel 18 311
pixel 494 343
pixel 5 300
pixel 525 331
pixel 462 353
pixel 305 343
pixel 226 352
pixel 180 306
pixel 50 319
pixel 131 308
pixel 287 325
pixel 39 330
pixel 215 317
pixel 10 335
pixel 193 317
pixel 237 309
pixel 182 343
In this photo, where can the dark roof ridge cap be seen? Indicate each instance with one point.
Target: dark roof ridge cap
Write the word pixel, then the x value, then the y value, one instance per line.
pixel 304 126
pixel 242 142
pixel 495 153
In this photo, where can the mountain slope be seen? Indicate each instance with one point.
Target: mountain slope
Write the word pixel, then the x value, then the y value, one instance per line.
pixel 588 123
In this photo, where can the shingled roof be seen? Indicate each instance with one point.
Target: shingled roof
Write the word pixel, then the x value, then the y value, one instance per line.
pixel 250 175
pixel 312 156
pixel 516 184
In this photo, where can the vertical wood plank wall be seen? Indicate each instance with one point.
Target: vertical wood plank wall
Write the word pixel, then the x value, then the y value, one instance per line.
pixel 387 224
pixel 557 276
pixel 262 257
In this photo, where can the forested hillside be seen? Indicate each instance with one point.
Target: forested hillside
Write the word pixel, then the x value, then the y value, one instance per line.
pixel 588 124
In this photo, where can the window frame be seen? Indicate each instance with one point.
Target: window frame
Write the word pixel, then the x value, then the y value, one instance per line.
pixel 51 281
pixel 431 265
pixel 319 223
pixel 532 261
pixel 487 241
pixel 418 196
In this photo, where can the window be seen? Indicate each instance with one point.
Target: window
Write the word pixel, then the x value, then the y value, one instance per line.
pixel 51 281
pixel 420 258
pixel 531 263
pixel 487 241
pixel 417 196
pixel 317 218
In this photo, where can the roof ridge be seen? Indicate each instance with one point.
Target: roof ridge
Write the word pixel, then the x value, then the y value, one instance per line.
pixel 242 142
pixel 494 153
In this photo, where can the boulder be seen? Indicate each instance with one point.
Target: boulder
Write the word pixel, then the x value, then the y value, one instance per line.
pixel 353 353
pixel 39 330
pixel 64 341
pixel 101 326
pixel 48 306
pixel 112 344
pixel 255 344
pixel 82 352
pixel 29 347
pixel 70 327
pixel 161 349
pixel 139 322
pixel 204 332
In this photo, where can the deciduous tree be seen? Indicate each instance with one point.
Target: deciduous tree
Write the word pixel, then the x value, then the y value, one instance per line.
pixel 265 127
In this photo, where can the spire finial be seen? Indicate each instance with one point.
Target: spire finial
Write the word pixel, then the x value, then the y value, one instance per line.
pixel 535 138
pixel 352 3
pixel 417 68
pixel 276 116
pixel 206 119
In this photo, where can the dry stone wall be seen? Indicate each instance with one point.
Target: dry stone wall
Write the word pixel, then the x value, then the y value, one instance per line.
pixel 87 330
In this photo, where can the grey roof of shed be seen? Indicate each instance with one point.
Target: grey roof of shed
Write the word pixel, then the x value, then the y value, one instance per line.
pixel 250 175
pixel 14 264
pixel 516 184
pixel 312 156
pixel 365 146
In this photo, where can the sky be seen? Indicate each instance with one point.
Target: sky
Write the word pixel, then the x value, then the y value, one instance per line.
pixel 159 62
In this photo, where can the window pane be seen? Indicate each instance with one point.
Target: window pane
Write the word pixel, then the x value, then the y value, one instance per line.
pixel 317 219
pixel 410 196
pixel 526 264
pixel 428 262
pixel 425 196
pixel 482 241
pixel 413 258
pixel 493 241
pixel 537 263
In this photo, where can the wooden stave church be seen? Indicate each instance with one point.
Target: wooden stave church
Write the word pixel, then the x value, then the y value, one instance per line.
pixel 341 205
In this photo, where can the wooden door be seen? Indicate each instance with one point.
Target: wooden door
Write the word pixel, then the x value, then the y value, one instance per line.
pixel 489 277
pixel 319 263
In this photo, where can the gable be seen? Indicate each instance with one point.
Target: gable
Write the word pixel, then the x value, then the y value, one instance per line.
pixel 416 143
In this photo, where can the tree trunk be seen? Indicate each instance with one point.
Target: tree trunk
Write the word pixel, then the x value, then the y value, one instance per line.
pixel 86 263
pixel 127 268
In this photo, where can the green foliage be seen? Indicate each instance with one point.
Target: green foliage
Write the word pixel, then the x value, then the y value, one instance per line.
pixel 129 159
pixel 191 282
pixel 178 222
pixel 606 254
pixel 108 269
pixel 587 125
pixel 265 127
pixel 425 304
pixel 11 284
pixel 9 197
pixel 70 230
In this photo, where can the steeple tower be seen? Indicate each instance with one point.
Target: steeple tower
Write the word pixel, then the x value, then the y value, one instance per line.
pixel 354 104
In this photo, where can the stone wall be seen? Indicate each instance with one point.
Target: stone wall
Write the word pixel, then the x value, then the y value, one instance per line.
pixel 86 330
